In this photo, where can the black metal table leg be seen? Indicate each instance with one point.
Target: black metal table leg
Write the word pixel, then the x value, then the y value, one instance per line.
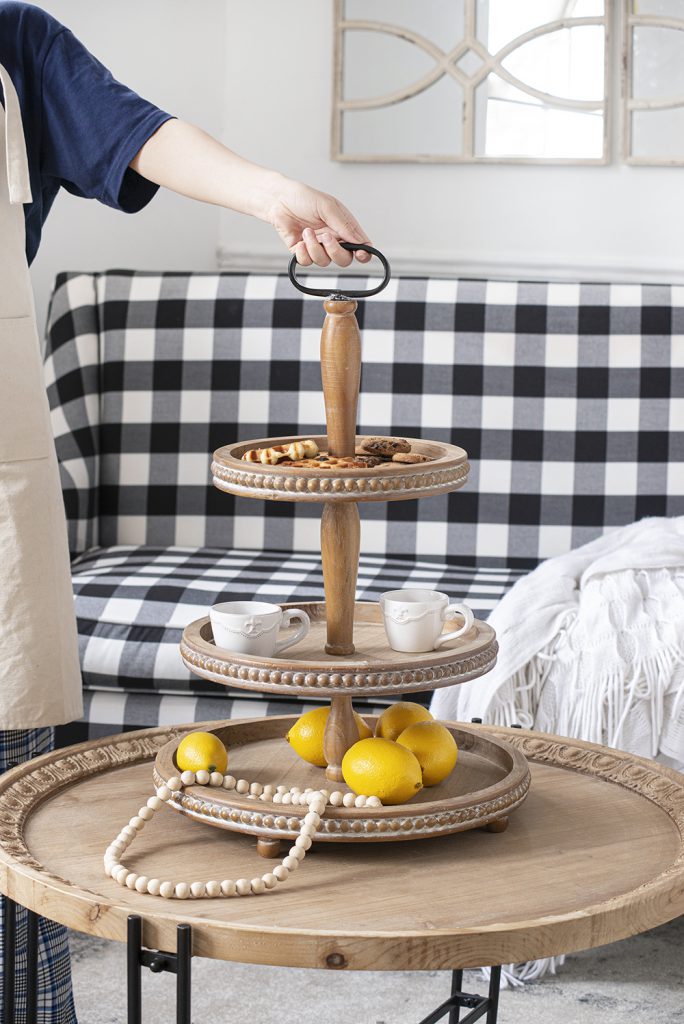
pixel 9 961
pixel 183 971
pixel 178 963
pixel 134 971
pixel 477 1006
pixel 32 921
pixel 494 989
pixel 456 986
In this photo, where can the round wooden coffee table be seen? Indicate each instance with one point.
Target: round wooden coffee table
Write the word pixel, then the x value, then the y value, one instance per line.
pixel 595 854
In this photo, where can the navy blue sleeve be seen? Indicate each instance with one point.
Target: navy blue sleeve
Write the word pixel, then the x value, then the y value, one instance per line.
pixel 92 127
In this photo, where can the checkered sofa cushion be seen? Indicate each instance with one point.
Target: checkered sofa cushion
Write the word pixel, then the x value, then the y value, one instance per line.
pixel 133 603
pixel 563 395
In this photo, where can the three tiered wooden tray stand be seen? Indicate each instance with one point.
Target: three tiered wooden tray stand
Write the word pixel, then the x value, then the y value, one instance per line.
pixel 346 653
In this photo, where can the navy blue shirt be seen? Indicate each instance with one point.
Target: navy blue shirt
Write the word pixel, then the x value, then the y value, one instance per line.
pixel 82 127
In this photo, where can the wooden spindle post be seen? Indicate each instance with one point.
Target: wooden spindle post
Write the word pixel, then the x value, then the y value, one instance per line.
pixel 340 533
pixel 341 732
pixel 341 373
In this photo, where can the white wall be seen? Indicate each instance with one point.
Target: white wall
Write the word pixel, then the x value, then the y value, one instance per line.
pixel 591 221
pixel 257 73
pixel 165 52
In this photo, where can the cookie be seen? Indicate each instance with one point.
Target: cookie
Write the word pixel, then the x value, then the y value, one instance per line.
pixel 368 460
pixel 279 452
pixel 302 449
pixel 385 447
pixel 409 458
pixel 331 462
pixel 267 456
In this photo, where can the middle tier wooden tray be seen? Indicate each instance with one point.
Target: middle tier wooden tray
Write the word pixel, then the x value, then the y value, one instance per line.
pixel 374 668
pixel 490 780
pixel 391 481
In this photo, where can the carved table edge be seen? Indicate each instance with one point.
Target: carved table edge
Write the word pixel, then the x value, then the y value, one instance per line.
pixel 23 788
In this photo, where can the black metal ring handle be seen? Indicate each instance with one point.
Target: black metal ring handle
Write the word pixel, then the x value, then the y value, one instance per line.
pixel 351 247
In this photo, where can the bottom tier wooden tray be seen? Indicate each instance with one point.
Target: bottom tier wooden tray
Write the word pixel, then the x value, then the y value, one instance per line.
pixel 490 780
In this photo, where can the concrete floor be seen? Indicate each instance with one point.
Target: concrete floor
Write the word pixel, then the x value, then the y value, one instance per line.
pixel 640 980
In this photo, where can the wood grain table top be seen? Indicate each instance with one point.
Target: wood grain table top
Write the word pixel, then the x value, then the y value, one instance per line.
pixel 595 854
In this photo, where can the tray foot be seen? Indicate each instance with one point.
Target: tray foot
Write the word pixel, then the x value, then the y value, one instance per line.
pixel 269 848
pixel 500 825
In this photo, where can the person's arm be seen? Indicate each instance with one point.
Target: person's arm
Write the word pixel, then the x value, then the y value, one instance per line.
pixel 187 160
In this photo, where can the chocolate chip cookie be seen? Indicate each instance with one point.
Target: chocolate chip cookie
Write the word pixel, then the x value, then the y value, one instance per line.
pixel 385 447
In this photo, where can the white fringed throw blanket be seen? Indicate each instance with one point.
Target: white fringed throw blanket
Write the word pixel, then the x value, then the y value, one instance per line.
pixel 591 646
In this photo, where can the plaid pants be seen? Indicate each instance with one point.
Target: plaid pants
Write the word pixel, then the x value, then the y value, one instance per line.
pixel 55 998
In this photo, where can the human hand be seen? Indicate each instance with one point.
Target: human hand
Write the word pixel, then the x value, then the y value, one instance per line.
pixel 311 224
pixel 182 157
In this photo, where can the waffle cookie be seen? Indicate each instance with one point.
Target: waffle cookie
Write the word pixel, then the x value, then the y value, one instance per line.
pixel 272 456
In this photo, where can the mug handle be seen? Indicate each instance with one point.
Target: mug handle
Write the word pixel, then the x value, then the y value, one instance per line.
pixel 468 617
pixel 290 615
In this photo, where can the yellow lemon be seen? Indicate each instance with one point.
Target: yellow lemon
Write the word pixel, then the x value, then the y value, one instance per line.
pixel 202 751
pixel 435 748
pixel 379 767
pixel 398 717
pixel 306 735
pixel 364 731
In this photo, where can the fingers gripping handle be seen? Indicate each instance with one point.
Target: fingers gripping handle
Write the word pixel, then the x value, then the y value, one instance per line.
pixel 324 292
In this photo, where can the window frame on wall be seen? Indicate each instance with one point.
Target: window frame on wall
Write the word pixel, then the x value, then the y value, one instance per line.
pixel 630 105
pixel 491 63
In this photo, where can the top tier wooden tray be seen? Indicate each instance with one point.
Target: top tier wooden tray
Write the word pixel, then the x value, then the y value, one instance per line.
pixel 595 853
pixel 392 481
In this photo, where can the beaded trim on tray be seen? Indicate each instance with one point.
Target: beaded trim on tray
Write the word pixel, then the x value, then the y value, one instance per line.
pixel 316 799
pixel 228 477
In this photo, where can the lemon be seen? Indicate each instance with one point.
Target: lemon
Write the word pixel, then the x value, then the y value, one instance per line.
pixel 379 767
pixel 365 732
pixel 435 748
pixel 306 735
pixel 201 751
pixel 398 717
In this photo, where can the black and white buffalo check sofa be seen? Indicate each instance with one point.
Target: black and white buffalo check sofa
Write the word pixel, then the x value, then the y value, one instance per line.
pixel 568 398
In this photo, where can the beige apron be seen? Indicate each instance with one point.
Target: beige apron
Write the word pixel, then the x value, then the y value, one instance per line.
pixel 40 679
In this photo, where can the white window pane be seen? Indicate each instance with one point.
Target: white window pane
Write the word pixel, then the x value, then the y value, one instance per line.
pixel 436 20
pixel 427 123
pixel 521 126
pixel 658 134
pixel 658 62
pixel 568 63
pixel 500 21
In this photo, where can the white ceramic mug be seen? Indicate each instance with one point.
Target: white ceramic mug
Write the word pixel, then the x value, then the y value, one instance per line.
pixel 414 619
pixel 251 627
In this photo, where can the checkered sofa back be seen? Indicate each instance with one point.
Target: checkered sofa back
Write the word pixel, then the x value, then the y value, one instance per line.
pixel 566 396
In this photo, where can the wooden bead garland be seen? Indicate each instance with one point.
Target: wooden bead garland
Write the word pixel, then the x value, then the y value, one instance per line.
pixel 316 799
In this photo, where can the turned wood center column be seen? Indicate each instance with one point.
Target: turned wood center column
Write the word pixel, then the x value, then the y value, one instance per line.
pixel 341 373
